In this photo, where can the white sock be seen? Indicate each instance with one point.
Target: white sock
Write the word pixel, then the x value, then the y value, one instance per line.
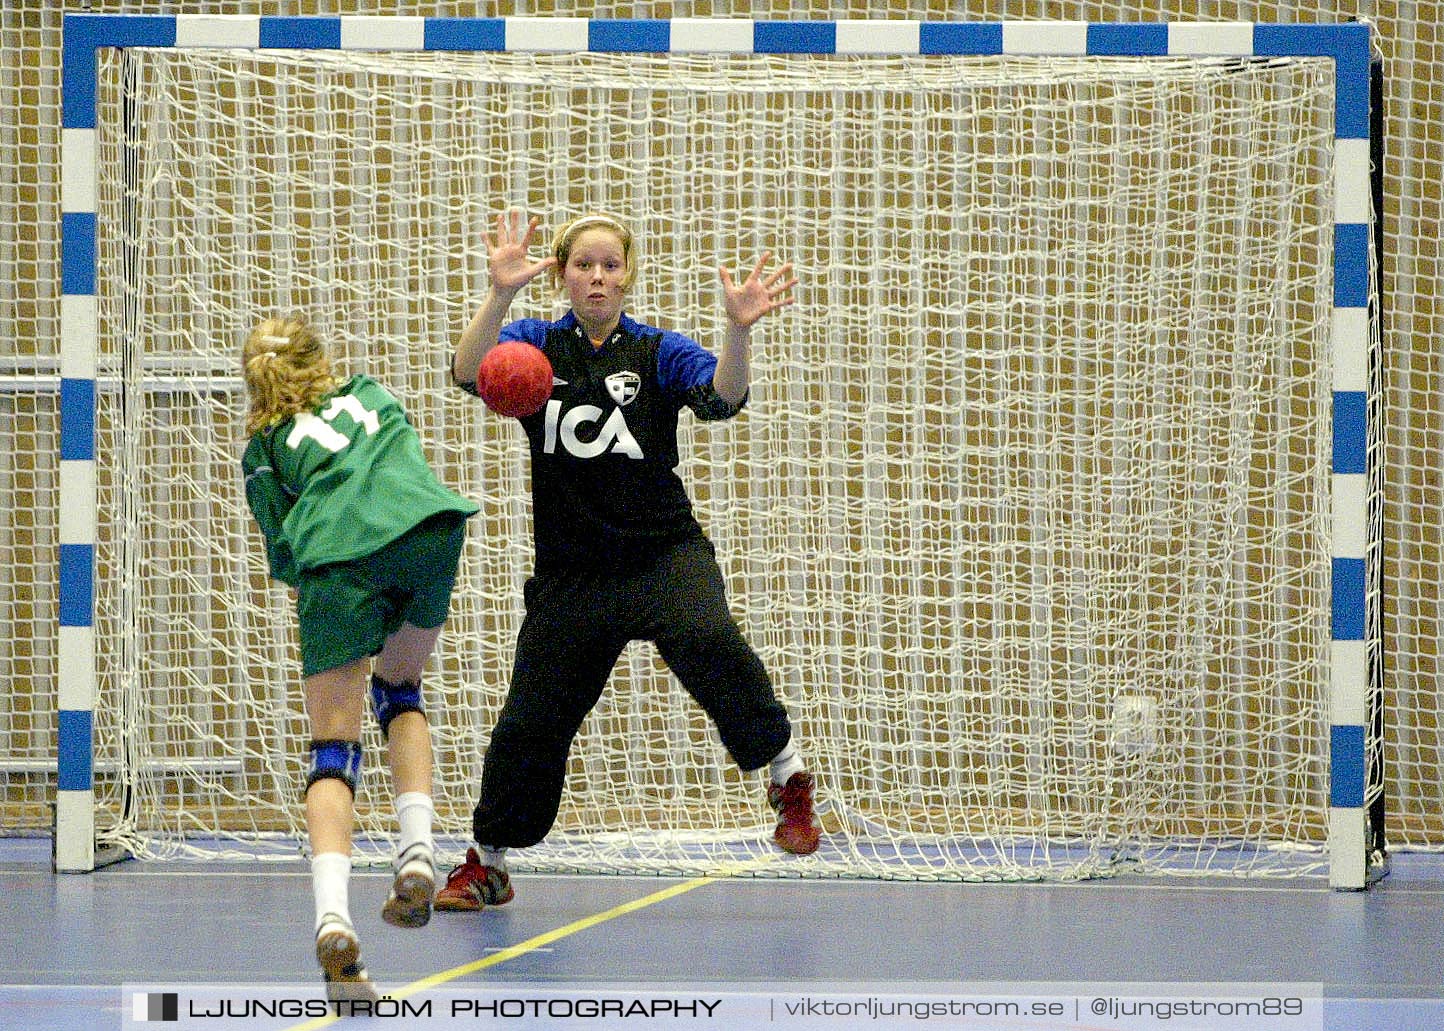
pixel 492 857
pixel 415 812
pixel 785 764
pixel 330 874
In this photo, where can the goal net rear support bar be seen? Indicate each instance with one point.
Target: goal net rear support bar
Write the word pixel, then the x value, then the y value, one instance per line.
pixel 1348 45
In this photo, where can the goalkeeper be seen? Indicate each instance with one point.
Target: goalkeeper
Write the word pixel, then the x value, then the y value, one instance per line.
pixel 619 555
pixel 355 520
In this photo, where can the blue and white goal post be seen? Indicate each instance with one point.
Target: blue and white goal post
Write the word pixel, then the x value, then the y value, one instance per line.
pixel 1353 658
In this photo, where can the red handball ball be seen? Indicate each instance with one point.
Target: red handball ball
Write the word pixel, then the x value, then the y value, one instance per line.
pixel 515 379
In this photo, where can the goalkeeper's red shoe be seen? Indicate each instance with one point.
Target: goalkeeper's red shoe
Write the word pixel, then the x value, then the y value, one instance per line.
pixel 471 887
pixel 797 828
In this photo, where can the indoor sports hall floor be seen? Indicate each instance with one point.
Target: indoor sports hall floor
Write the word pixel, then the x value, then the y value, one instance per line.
pixel 71 941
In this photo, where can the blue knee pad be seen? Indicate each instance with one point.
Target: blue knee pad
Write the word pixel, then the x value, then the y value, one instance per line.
pixel 390 700
pixel 338 759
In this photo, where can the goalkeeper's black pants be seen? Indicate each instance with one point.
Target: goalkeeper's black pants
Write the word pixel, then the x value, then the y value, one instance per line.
pixel 577 623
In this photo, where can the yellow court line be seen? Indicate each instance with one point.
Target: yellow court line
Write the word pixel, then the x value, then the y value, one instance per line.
pixel 532 944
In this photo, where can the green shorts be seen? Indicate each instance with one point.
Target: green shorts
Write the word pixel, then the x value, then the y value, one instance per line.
pixel 348 609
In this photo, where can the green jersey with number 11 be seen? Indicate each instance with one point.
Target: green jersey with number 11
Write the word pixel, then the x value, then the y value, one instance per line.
pixel 341 482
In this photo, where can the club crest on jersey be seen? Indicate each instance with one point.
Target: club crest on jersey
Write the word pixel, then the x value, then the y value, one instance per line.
pixel 623 386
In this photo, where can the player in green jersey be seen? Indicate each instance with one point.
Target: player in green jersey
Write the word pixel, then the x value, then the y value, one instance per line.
pixel 357 523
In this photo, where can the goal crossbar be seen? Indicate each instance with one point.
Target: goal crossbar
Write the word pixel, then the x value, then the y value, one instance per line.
pixel 1348 45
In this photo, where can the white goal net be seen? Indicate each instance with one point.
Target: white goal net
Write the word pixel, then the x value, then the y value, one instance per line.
pixel 1028 516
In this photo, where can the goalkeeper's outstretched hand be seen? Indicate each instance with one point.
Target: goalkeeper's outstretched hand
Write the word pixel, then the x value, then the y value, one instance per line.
pixel 506 253
pixel 758 294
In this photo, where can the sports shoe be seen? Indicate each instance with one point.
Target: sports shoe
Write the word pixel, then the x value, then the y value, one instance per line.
pixel 797 829
pixel 409 904
pixel 471 887
pixel 339 953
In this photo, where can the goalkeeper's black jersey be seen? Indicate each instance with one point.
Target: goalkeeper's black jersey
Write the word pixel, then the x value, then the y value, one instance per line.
pixel 605 489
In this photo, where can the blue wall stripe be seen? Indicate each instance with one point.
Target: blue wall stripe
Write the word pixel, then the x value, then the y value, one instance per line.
pixel 616 35
pixel 77 252
pixel 1351 265
pixel 73 750
pixel 1346 766
pixel 1351 431
pixel 77 420
pixel 464 34
pixel 1348 599
pixel 82 34
pixel 1127 40
pixel 1348 45
pixel 794 37
pixel 77 584
pixel 960 38
pixel 301 33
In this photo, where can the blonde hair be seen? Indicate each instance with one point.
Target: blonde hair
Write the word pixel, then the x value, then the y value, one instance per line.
pixel 287 371
pixel 567 236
